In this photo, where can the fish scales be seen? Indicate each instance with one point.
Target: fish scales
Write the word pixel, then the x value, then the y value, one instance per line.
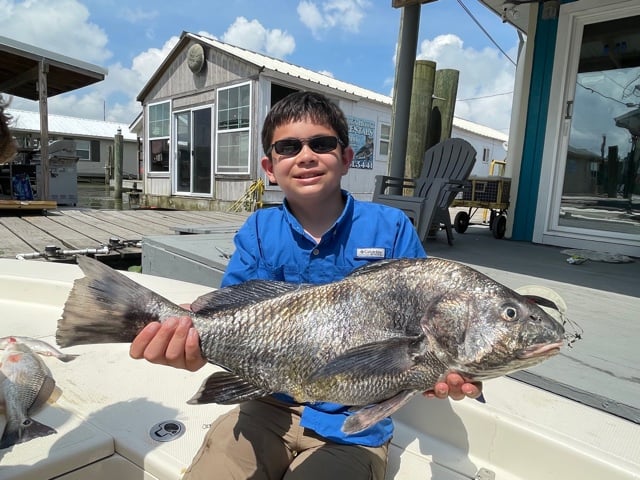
pixel 386 331
pixel 298 324
pixel 25 384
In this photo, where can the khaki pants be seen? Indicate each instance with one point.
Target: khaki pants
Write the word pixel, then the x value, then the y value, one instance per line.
pixel 263 440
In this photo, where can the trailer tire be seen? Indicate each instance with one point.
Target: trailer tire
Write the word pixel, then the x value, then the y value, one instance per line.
pixel 499 226
pixel 461 222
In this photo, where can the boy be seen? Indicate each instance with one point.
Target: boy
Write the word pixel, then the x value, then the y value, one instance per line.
pixel 319 235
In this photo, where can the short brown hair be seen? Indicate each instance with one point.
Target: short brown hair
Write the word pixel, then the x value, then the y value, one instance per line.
pixel 305 105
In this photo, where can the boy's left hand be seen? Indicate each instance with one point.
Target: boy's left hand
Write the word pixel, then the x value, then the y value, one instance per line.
pixel 455 387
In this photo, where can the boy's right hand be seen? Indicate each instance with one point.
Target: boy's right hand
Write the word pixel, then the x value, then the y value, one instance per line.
pixel 174 342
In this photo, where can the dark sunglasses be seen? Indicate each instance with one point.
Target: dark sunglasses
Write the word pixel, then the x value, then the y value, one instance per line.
pixel 292 146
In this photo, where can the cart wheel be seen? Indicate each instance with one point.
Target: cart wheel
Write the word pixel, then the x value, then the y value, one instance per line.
pixel 461 222
pixel 499 226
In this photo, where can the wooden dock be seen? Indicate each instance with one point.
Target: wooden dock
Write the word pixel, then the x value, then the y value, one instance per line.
pixel 114 234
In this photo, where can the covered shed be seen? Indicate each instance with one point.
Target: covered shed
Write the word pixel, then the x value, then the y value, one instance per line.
pixel 37 74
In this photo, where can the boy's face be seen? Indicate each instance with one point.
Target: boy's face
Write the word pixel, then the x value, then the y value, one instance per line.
pixel 307 175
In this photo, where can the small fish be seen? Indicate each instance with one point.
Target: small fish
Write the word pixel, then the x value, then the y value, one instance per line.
pixel 371 340
pixel 38 346
pixel 26 384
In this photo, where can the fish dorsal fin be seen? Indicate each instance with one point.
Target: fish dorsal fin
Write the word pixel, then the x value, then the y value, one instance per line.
pixel 226 388
pixel 372 267
pixel 241 295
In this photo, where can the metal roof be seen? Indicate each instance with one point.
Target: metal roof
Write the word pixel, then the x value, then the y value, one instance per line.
pixel 269 65
pixel 479 129
pixel 25 121
pixel 19 67
pixel 275 66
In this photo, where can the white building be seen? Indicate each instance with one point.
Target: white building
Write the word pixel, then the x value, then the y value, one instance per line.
pixel 202 115
pixel 94 140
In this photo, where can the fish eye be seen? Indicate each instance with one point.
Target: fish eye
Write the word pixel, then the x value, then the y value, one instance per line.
pixel 509 314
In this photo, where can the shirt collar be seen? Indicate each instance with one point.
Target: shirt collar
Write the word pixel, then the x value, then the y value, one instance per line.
pixel 344 217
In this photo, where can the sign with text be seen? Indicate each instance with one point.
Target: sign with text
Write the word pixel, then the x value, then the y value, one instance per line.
pixel 361 135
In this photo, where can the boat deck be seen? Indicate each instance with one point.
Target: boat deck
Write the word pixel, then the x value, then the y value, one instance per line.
pixel 107 423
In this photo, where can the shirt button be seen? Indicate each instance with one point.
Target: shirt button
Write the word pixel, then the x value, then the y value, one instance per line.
pixel 316 251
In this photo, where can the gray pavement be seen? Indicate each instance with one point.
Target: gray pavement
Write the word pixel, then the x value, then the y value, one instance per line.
pixel 478 246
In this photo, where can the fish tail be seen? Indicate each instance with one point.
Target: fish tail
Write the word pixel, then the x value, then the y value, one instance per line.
pixel 28 430
pixel 105 306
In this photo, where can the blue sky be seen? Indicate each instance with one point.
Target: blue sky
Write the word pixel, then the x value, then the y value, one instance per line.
pixel 351 40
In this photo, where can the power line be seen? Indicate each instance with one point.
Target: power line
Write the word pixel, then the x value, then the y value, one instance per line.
pixel 484 96
pixel 626 104
pixel 464 7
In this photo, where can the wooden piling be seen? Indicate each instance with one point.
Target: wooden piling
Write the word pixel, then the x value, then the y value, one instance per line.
pixel 118 150
pixel 421 103
pixel 445 91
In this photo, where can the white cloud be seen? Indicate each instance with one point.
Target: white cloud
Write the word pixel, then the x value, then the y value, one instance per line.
pixel 253 36
pixel 64 24
pixel 138 15
pixel 484 76
pixel 310 16
pixel 345 14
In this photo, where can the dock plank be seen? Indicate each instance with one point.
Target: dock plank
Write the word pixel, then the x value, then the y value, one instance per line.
pixel 31 235
pixel 27 204
pixel 208 217
pixel 158 218
pixel 81 228
pixel 66 237
pixel 93 227
pixel 10 243
pixel 135 223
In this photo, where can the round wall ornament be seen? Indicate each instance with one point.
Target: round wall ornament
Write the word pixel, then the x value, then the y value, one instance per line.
pixel 195 57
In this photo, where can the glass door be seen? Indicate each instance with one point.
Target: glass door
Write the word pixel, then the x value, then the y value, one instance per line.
pixel 193 151
pixel 601 188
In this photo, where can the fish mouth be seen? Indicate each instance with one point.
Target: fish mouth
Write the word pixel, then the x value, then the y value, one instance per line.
pixel 540 350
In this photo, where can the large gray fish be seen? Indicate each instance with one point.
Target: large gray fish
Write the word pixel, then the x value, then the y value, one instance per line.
pixel 25 384
pixel 371 340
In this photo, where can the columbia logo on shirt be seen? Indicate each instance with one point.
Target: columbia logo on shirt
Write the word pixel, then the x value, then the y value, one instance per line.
pixel 370 253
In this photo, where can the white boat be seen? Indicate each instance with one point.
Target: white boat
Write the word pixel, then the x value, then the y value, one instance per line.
pixel 111 416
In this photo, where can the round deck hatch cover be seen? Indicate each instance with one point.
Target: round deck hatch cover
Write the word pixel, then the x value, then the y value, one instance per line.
pixel 167 431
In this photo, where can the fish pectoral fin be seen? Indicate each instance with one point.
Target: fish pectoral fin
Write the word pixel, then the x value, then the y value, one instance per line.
pixel 370 415
pixel 394 355
pixel 226 388
pixel 241 295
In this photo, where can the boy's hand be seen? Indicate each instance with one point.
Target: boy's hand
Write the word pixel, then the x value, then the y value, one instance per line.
pixel 174 342
pixel 455 387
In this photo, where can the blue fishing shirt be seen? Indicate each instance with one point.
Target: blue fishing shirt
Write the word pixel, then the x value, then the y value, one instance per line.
pixel 272 245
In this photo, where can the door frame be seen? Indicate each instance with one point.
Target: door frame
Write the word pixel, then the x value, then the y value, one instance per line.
pixel 571 21
pixel 174 152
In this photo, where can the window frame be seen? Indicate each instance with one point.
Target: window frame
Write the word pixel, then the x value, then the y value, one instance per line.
pixel 239 135
pixel 161 136
pixel 384 139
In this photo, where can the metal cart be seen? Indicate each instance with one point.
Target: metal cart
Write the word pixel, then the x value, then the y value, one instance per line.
pixel 491 193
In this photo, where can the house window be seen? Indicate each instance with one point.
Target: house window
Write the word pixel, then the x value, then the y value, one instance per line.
pixel 159 128
pixel 385 137
pixel 233 113
pixel 83 150
pixel 485 155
